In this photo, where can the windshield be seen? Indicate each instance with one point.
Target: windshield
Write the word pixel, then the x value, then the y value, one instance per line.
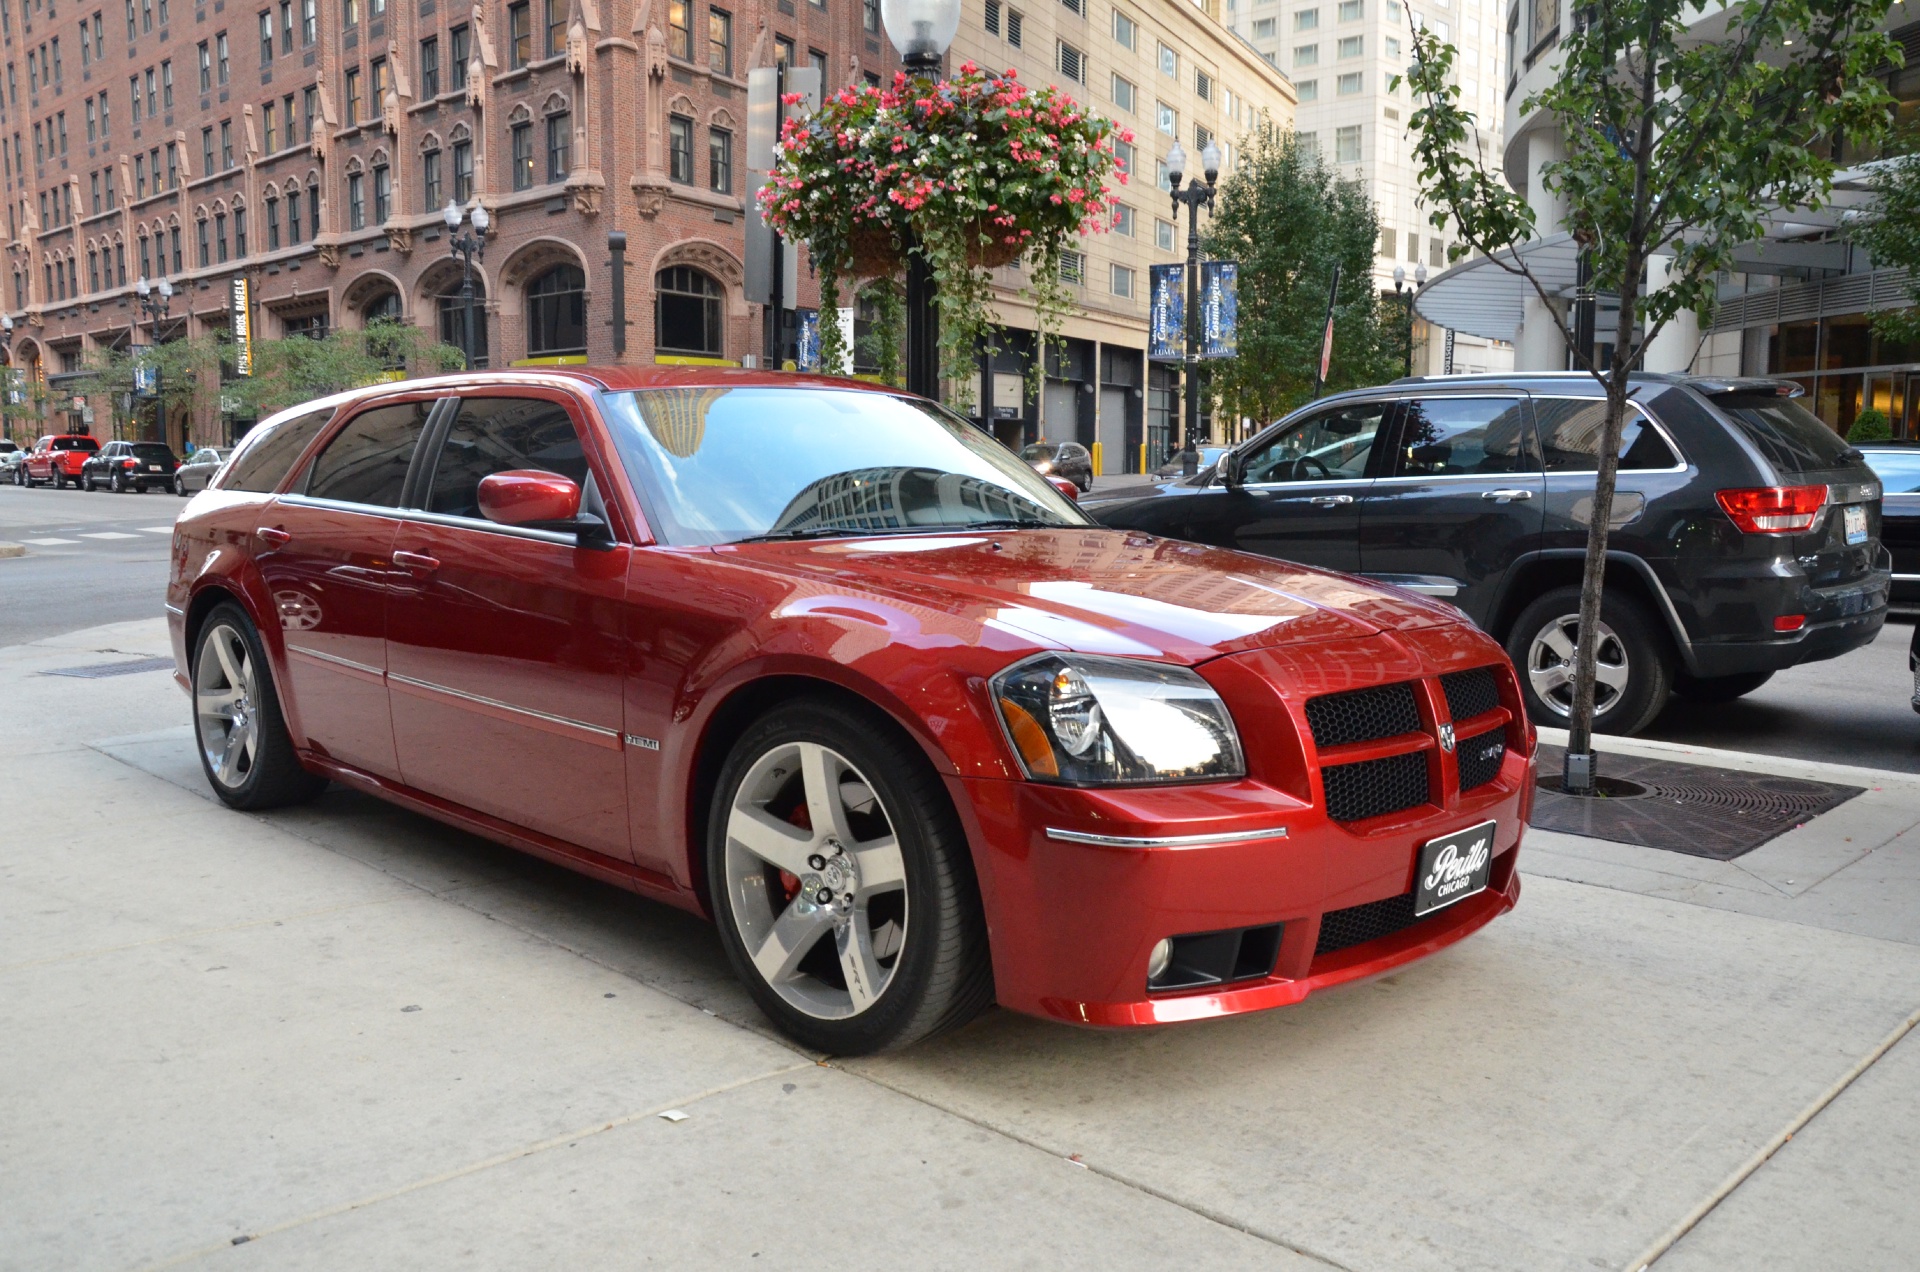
pixel 1790 437
pixel 718 465
pixel 1898 471
pixel 75 443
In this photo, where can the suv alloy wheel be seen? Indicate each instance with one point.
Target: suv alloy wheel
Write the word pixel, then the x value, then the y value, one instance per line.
pixel 1635 661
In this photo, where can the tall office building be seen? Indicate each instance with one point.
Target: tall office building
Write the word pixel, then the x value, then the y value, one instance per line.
pixel 1341 55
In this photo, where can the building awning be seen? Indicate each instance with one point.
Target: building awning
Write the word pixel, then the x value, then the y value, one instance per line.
pixel 1483 296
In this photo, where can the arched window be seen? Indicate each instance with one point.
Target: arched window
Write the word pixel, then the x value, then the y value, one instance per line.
pixel 453 321
pixel 557 313
pixel 686 313
pixel 386 307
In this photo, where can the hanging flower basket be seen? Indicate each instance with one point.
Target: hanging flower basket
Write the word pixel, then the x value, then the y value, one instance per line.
pixel 972 173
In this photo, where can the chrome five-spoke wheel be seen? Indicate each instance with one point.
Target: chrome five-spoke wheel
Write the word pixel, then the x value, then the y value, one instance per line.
pixel 816 880
pixel 224 695
pixel 1550 662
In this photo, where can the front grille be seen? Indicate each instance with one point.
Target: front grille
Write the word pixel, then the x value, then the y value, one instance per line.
pixel 1375 787
pixel 1358 924
pixel 1480 757
pixel 1471 693
pixel 1363 715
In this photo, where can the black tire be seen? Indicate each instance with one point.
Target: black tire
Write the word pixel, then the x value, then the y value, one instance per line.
pixel 179 488
pixel 139 487
pixel 273 778
pixel 941 976
pixel 59 480
pixel 1714 689
pixel 118 482
pixel 1644 652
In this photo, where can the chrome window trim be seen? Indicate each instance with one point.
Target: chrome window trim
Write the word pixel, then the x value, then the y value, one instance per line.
pixel 387 511
pixel 1165 841
pixel 1308 485
pixel 1504 478
pixel 453 521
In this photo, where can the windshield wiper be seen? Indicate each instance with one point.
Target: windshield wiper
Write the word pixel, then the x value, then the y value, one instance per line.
pixel 1010 523
pixel 826 532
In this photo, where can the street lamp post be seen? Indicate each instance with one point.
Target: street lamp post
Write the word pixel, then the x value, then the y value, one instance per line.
pixel 1197 193
pixel 468 247
pixel 921 30
pixel 1399 283
pixel 6 336
pixel 156 300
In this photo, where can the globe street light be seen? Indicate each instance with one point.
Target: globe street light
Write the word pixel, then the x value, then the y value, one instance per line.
pixel 468 247
pixel 1399 284
pixel 1196 193
pixel 921 30
pixel 155 301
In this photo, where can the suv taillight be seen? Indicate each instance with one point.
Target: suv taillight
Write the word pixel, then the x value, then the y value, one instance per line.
pixel 1774 509
pixel 129 463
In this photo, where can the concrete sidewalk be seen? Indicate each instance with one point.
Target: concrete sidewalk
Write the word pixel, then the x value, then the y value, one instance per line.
pixel 343 1034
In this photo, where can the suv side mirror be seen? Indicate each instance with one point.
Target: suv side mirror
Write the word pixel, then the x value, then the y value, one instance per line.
pixel 1232 468
pixel 540 501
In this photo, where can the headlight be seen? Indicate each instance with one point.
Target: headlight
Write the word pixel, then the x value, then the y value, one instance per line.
pixel 1083 720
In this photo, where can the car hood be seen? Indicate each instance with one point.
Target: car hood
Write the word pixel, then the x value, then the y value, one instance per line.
pixel 1102 591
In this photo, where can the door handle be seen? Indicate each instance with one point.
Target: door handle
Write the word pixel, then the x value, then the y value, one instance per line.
pixel 416 561
pixel 1504 496
pixel 273 535
pixel 1331 501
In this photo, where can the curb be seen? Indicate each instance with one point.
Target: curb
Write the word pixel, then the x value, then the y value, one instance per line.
pixel 1747 761
pixel 13 549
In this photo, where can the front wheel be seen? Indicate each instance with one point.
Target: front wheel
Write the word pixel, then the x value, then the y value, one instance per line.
pixel 841 882
pixel 1715 689
pixel 119 483
pixel 1633 667
pixel 243 742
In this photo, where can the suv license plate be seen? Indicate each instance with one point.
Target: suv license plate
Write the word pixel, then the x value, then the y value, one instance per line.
pixel 153 467
pixel 1453 868
pixel 1856 523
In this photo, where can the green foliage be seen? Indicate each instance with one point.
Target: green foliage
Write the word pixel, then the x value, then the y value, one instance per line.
pixel 1891 233
pixel 881 347
pixel 1871 425
pixel 184 365
pixel 295 370
pixel 1288 219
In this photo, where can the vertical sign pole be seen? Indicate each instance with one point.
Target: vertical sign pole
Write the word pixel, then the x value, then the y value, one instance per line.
pixel 777 311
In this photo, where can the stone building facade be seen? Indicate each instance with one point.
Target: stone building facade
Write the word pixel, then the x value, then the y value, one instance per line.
pixel 311 146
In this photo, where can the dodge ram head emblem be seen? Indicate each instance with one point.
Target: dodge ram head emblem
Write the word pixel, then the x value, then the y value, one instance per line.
pixel 1446 738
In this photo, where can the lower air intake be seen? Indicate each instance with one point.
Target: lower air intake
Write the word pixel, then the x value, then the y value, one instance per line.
pixel 1358 924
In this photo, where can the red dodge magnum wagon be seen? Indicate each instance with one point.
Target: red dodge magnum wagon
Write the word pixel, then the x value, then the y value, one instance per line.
pixel 829 665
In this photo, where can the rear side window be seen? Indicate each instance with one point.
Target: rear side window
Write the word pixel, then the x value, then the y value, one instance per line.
pixel 1571 429
pixel 497 435
pixel 1788 435
pixel 366 462
pixel 1465 437
pixel 266 455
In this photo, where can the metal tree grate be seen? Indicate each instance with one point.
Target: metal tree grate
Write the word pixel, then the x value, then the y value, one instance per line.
pixel 100 671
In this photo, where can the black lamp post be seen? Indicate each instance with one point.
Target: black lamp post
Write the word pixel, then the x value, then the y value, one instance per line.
pixel 156 300
pixel 1406 297
pixel 468 247
pixel 1194 196
pixel 921 30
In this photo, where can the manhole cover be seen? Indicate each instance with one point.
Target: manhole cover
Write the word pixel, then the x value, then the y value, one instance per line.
pixel 1688 808
pixel 99 670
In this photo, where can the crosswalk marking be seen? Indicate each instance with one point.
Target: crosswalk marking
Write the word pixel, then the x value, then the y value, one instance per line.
pixel 48 543
pixel 107 534
pixel 156 529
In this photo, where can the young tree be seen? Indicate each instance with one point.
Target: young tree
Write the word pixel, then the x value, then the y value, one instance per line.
pixel 182 367
pixel 295 370
pixel 1289 219
pixel 1675 146
pixel 1890 231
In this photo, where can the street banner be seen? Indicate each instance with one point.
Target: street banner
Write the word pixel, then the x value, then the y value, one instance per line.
pixel 1219 309
pixel 241 316
pixel 1449 364
pixel 1167 288
pixel 807 352
pixel 1326 338
pixel 146 376
pixel 16 387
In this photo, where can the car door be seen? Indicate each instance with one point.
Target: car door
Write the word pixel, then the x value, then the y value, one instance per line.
pixel 1300 489
pixel 326 554
pixel 1460 498
pixel 506 645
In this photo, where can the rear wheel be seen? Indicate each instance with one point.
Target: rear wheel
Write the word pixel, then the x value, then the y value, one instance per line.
pixel 1719 688
pixel 842 884
pixel 1634 671
pixel 243 742
pixel 118 482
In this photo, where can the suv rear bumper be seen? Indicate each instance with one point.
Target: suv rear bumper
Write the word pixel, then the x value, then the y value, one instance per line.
pixel 1838 619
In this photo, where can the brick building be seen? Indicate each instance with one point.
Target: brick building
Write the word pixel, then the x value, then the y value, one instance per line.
pixel 311 145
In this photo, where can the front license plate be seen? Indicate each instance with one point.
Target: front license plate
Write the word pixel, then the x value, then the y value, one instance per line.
pixel 1453 868
pixel 1856 523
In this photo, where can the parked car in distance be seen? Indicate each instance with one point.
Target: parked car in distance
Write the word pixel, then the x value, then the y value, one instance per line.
pixel 1745 535
pixel 11 456
pixel 1897 464
pixel 57 458
pixel 1205 457
pixel 830 665
pixel 197 469
pixel 124 466
pixel 1069 460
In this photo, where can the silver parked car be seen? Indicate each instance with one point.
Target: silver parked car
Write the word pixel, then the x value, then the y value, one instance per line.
pixel 197 469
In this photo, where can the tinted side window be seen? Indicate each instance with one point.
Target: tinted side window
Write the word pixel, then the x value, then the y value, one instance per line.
pixel 1570 432
pixel 1333 446
pixel 366 462
pixel 1466 437
pixel 267 454
pixel 1788 435
pixel 496 435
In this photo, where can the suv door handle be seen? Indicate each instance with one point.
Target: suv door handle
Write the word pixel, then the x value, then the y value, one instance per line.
pixel 273 535
pixel 416 561
pixel 1503 496
pixel 1331 501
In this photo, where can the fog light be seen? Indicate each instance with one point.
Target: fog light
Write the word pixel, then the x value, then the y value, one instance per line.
pixel 1158 960
pixel 1789 622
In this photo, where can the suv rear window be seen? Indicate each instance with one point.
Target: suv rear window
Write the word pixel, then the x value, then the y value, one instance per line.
pixel 153 450
pixel 1788 435
pixel 268 453
pixel 74 443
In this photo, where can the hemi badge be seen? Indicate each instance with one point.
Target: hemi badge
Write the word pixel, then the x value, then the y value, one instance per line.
pixel 645 744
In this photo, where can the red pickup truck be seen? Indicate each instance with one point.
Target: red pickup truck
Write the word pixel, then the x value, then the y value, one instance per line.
pixel 57 458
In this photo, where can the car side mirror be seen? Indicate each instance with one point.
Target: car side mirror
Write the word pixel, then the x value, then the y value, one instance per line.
pixel 1232 470
pixel 540 500
pixel 1066 487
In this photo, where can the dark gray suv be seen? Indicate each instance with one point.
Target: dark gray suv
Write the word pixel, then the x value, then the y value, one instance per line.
pixel 1745 534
